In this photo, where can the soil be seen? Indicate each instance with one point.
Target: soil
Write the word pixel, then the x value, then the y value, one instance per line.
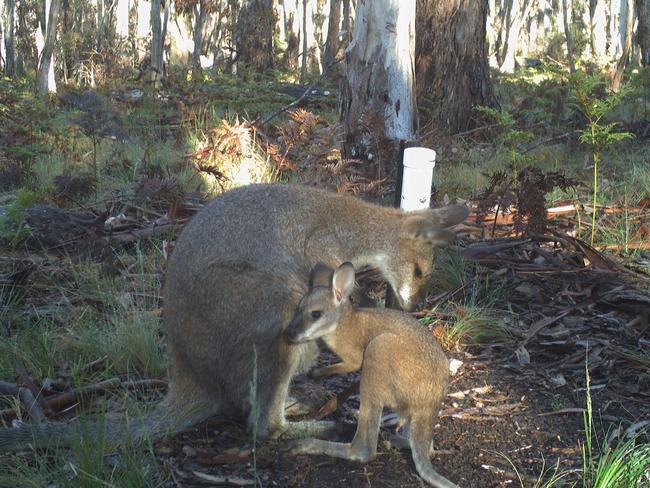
pixel 505 430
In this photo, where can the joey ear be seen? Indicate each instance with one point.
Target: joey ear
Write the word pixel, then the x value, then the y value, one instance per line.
pixel 343 281
pixel 321 275
pixel 450 215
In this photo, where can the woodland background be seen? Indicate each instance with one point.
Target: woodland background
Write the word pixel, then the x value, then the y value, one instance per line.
pixel 119 119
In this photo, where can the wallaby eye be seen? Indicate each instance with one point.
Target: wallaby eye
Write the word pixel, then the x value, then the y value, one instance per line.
pixel 418 271
pixel 316 314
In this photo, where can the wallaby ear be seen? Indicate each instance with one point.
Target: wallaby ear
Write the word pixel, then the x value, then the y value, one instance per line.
pixel 450 215
pixel 343 281
pixel 418 227
pixel 423 229
pixel 442 237
pixel 321 275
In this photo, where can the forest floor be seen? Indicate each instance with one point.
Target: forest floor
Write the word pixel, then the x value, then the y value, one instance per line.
pixel 552 333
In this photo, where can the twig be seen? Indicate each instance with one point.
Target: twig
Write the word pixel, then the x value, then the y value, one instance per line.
pixel 546 141
pixel 26 398
pixel 562 411
pixel 69 397
pixel 36 392
pixel 333 403
pixel 268 118
pixel 476 129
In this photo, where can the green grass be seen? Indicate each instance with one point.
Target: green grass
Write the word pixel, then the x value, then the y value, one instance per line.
pixel 99 316
pixel 90 463
pixel 472 316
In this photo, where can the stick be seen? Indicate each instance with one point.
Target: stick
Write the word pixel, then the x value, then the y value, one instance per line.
pixel 333 403
pixel 26 398
pixel 36 392
pixel 69 397
pixel 268 118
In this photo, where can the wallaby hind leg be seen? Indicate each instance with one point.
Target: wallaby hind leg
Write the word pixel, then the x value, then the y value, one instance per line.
pixel 271 390
pixel 362 448
pixel 272 398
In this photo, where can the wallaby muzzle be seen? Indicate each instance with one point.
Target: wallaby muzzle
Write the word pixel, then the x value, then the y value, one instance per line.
pixel 292 333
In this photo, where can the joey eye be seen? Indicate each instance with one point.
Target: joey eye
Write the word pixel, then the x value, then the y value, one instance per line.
pixel 418 271
pixel 316 314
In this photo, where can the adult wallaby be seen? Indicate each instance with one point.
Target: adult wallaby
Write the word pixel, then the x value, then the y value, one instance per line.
pixel 404 367
pixel 234 279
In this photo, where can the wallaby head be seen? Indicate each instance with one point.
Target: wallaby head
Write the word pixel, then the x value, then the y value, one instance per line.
pixel 319 312
pixel 410 265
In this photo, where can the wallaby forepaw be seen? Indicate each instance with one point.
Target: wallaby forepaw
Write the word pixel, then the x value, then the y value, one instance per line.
pixel 317 373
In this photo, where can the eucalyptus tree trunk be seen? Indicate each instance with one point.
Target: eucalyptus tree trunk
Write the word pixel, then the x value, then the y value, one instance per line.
pixel 348 16
pixel 333 29
pixel 9 33
pixel 616 14
pixel 200 15
pixel 156 47
pixel 303 67
pixel 567 33
pixel 627 46
pixel 511 28
pixel 122 19
pixel 254 34
pixel 451 60
pixel 45 81
pixel 643 14
pixel 598 29
pixel 380 74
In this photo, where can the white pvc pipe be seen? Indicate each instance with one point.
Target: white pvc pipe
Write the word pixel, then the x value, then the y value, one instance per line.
pixel 417 178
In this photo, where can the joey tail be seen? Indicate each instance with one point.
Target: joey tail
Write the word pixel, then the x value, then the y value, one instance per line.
pixel 162 420
pixel 420 440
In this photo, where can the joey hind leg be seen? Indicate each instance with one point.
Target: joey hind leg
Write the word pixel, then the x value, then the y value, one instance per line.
pixel 362 448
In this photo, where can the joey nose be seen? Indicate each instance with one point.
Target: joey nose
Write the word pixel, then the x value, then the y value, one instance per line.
pixel 291 334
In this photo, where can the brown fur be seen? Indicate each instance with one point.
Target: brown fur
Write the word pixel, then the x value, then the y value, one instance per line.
pixel 234 280
pixel 404 367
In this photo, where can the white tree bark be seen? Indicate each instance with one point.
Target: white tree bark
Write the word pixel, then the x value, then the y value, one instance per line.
pixel 627 45
pixel 598 33
pixel 512 25
pixel 45 81
pixel 615 27
pixel 380 71
pixel 122 19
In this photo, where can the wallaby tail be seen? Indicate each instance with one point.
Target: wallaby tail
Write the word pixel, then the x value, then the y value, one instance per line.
pixel 420 440
pixel 115 430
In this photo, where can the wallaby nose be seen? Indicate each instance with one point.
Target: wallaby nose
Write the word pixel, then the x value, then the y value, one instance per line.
pixel 291 332
pixel 407 306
